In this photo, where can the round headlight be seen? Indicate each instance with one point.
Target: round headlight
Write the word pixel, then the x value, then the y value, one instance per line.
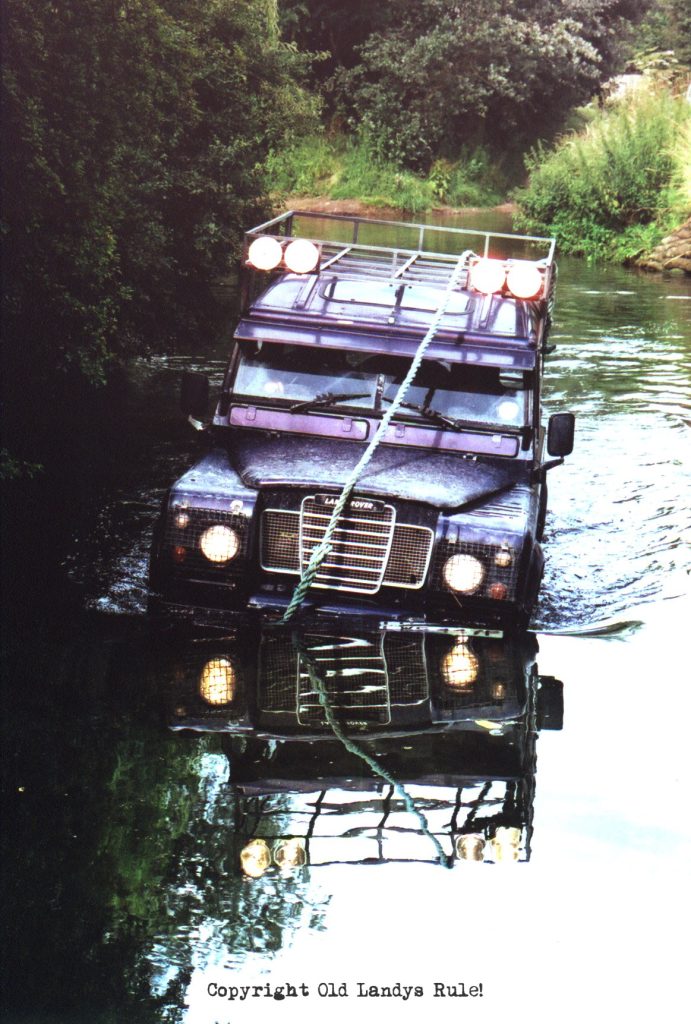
pixel 255 858
pixel 301 256
pixel 464 573
pixel 219 544
pixel 265 253
pixel 217 682
pixel 459 667
pixel 470 847
pixel 506 843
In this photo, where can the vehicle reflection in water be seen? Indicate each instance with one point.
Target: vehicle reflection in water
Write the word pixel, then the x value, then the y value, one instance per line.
pixel 372 748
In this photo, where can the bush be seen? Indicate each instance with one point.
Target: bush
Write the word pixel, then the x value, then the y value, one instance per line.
pixel 612 188
pixel 343 168
pixel 306 168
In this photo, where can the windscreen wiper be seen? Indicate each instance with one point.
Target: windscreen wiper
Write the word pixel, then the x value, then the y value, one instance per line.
pixel 328 398
pixel 438 417
pixel 433 414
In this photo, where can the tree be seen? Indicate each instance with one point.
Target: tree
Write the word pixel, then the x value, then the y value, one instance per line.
pixel 443 73
pixel 667 26
pixel 135 135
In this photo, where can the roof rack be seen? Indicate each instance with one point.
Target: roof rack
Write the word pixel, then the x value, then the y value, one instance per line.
pixel 424 254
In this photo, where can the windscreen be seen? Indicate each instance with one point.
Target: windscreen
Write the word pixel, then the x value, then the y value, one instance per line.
pixel 285 375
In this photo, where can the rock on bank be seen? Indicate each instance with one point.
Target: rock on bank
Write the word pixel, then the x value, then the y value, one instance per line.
pixel 673 252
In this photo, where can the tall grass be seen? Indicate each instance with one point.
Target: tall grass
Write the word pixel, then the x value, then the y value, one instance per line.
pixel 339 167
pixel 614 188
pixel 682 175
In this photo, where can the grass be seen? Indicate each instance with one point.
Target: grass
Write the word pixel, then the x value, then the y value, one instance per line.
pixel 339 167
pixel 613 189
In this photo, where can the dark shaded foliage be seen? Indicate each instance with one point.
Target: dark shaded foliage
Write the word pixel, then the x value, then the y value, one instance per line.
pixel 134 138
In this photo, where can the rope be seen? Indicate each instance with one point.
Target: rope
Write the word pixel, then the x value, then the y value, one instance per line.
pixel 322 549
pixel 354 748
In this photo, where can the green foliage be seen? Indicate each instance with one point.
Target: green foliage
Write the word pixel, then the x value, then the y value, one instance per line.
pixel 436 75
pixel 308 167
pixel 682 169
pixel 610 190
pixel 667 27
pixel 134 138
pixel 343 168
pixel 14 469
pixel 474 179
pixel 382 183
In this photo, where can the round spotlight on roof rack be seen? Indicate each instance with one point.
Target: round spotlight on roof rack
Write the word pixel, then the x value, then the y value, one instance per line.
pixel 265 253
pixel 488 276
pixel 301 256
pixel 524 281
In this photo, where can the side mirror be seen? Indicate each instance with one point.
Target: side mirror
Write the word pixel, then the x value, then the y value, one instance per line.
pixel 550 703
pixel 560 433
pixel 194 394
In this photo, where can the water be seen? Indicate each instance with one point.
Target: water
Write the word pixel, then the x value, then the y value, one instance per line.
pixel 129 798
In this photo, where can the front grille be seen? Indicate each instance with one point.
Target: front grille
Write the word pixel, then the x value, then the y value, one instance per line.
pixel 369 547
pixel 359 548
pixel 280 540
pixel 409 557
pixel 363 679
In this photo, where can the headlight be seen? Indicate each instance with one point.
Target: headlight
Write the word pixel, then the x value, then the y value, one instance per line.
pixel 487 276
pixel 220 544
pixel 265 253
pixel 255 858
pixel 459 667
pixel 301 256
pixel 464 573
pixel 217 682
pixel 524 280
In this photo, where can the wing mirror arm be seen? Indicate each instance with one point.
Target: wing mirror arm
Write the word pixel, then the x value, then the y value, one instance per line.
pixel 197 424
pixel 549 465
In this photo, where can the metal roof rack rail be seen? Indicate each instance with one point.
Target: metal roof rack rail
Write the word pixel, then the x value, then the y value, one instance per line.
pixel 423 254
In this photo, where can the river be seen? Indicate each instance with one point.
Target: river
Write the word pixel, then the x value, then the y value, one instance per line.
pixel 132 890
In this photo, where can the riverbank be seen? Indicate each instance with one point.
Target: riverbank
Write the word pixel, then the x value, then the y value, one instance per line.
pixel 359 208
pixel 673 253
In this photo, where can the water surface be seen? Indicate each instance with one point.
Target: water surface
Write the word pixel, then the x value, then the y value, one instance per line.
pixel 130 797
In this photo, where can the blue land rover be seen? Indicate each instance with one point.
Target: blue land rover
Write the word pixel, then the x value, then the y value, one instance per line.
pixel 444 521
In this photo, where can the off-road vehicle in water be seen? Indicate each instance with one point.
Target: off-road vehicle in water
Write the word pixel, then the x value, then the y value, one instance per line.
pixel 444 522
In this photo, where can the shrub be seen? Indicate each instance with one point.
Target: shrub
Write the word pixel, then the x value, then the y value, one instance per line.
pixel 611 180
pixel 352 168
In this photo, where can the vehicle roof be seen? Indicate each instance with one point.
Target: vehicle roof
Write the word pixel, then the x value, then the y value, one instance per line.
pixel 336 311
